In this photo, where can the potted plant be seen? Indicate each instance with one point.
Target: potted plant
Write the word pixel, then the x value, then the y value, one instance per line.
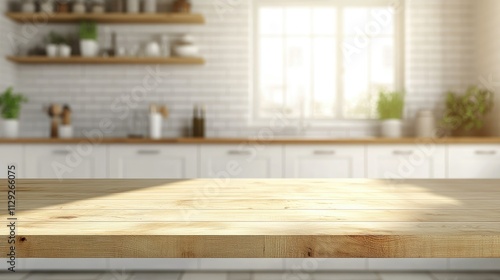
pixel 464 114
pixel 53 41
pixel 10 106
pixel 88 39
pixel 390 107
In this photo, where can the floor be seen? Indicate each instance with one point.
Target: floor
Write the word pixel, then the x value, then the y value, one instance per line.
pixel 291 275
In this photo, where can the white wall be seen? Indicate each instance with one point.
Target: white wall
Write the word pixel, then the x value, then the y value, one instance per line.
pixel 488 56
pixel 7 69
pixel 439 49
pixel 439 57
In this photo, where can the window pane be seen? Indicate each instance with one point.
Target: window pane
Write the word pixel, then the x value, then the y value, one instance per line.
pixel 298 75
pixel 384 17
pixel 325 77
pixel 271 75
pixel 298 21
pixel 325 21
pixel 271 21
pixel 382 63
pixel 356 84
pixel 355 20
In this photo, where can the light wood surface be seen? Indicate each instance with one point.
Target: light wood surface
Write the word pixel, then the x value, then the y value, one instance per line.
pixel 160 18
pixel 105 60
pixel 267 218
pixel 276 141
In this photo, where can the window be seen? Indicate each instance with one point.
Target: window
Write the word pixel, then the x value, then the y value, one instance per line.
pixel 326 60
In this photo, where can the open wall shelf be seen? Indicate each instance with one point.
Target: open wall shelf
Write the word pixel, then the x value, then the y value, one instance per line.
pixel 115 18
pixel 106 60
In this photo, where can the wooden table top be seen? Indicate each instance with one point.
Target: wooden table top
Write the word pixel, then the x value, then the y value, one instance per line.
pixel 267 218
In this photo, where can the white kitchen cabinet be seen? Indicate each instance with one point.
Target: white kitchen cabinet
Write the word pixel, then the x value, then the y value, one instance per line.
pixel 153 161
pixel 79 161
pixel 474 161
pixel 11 155
pixel 418 161
pixel 241 161
pixel 324 161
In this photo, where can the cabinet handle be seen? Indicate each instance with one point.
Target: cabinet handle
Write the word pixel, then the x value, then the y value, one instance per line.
pixel 148 152
pixel 324 153
pixel 403 153
pixel 486 153
pixel 239 153
pixel 61 152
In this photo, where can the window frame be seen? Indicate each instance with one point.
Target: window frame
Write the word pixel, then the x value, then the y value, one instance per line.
pixel 399 38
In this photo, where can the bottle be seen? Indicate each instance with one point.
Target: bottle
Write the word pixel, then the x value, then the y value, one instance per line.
pixel 425 126
pixel 196 126
pixel 201 123
pixel 165 46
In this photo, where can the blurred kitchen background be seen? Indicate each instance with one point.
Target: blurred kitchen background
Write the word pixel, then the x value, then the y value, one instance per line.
pixel 427 48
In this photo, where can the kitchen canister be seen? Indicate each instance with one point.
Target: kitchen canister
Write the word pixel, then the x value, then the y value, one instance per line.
pixel 150 6
pixel 133 6
pixel 155 125
pixel 28 6
pixel 79 7
pixel 425 124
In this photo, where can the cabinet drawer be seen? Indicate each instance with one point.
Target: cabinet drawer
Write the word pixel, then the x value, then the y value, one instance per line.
pixel 474 161
pixel 241 161
pixel 81 161
pixel 324 161
pixel 153 161
pixel 419 161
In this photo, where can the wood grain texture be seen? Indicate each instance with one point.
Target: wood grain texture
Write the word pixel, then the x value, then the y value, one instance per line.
pixel 113 18
pixel 277 218
pixel 106 60
pixel 277 141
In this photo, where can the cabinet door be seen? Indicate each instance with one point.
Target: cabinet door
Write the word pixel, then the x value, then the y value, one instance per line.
pixel 81 161
pixel 11 155
pixel 474 161
pixel 419 161
pixel 153 161
pixel 324 161
pixel 244 161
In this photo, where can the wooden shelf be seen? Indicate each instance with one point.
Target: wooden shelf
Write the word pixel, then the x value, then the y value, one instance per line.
pixel 115 18
pixel 106 60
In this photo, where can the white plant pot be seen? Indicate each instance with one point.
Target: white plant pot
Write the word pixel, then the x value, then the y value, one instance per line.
pixel 392 128
pixel 11 128
pixel 64 51
pixel 65 131
pixel 89 48
pixel 52 50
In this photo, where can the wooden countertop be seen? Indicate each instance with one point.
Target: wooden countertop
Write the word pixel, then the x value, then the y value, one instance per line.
pixel 276 141
pixel 256 218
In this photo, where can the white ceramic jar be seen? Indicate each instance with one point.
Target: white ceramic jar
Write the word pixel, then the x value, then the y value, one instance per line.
pixel 150 6
pixel 47 6
pixel 133 6
pixel 79 7
pixel 425 124
pixel 28 6
pixel 52 50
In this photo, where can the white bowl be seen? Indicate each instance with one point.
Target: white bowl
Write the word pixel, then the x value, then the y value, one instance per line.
pixel 186 50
